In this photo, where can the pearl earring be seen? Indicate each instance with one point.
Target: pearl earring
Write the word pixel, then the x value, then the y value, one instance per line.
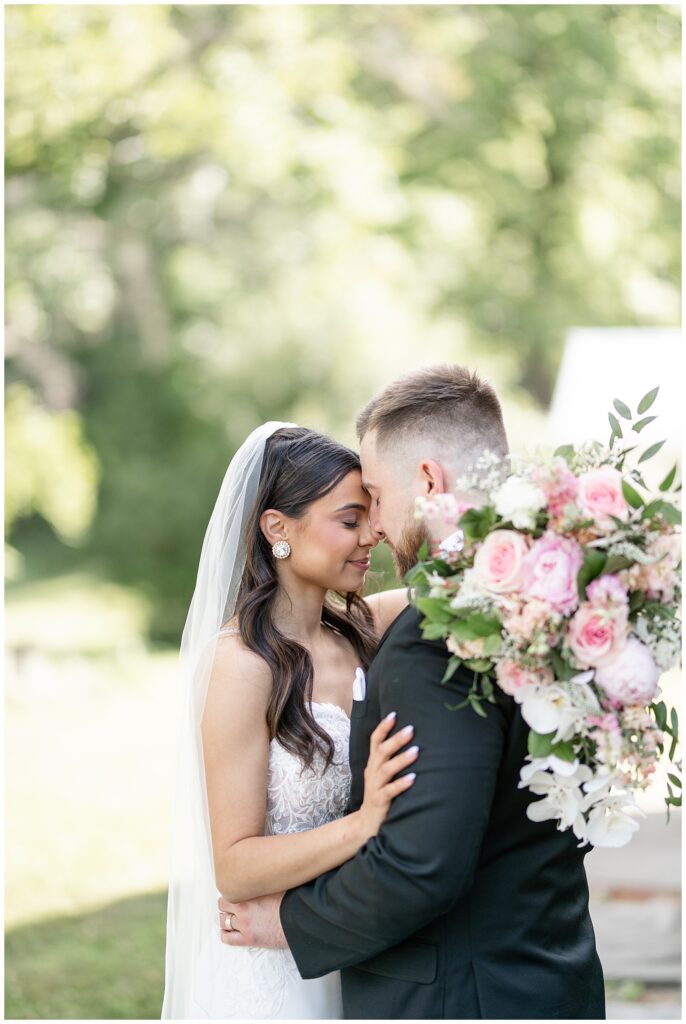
pixel 281 549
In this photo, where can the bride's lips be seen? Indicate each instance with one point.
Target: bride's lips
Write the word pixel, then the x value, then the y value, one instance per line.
pixel 362 564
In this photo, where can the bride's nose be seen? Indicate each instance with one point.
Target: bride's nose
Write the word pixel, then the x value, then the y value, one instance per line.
pixel 367 538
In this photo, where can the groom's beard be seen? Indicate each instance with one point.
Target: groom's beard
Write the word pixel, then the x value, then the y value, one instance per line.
pixel 406 550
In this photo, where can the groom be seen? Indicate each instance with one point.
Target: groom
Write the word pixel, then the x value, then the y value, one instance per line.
pixel 460 907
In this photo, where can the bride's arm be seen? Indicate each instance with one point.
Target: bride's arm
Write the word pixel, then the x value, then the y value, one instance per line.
pixel 386 606
pixel 236 751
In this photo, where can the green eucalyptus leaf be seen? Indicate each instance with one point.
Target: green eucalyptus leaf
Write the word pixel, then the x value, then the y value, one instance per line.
pixel 649 452
pixel 622 408
pixel 669 479
pixel 670 513
pixel 675 780
pixel 614 423
pixel 674 720
pixel 476 704
pixel 647 400
pixel 638 427
pixel 632 496
pixel 660 712
pixel 452 668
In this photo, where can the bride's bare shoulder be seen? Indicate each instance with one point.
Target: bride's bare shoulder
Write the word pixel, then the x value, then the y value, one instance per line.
pixel 233 660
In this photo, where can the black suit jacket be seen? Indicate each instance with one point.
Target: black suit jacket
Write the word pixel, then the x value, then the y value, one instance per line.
pixel 460 907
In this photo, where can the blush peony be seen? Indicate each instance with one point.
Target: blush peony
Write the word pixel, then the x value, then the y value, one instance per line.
pixel 631 677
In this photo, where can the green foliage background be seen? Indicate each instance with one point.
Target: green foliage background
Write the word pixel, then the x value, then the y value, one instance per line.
pixel 220 214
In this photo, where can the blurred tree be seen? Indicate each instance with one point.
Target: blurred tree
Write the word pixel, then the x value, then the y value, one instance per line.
pixel 219 214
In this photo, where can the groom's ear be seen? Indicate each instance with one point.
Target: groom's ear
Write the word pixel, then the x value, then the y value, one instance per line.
pixel 273 525
pixel 432 478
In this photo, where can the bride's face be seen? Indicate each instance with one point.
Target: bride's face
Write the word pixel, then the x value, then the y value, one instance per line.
pixel 330 545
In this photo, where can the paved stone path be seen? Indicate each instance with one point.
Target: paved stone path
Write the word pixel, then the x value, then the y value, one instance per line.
pixel 636 911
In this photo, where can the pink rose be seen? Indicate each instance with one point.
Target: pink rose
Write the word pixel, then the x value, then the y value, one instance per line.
pixel 601 496
pixel 498 561
pixel 550 570
pixel 596 635
pixel 511 676
pixel 631 677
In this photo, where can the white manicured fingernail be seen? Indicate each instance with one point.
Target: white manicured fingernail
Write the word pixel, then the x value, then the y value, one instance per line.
pixel 391 714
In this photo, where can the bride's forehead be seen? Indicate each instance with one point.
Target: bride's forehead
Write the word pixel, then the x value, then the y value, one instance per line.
pixel 347 491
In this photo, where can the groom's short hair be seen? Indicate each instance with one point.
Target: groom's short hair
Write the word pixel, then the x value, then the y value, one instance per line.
pixel 448 403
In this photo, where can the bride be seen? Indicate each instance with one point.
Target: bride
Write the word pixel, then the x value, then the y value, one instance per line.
pixel 276 633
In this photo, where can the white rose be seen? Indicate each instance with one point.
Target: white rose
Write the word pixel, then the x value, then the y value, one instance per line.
pixel 518 500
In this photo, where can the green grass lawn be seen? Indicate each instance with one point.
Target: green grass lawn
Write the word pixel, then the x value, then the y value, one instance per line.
pixel 89 746
pixel 105 964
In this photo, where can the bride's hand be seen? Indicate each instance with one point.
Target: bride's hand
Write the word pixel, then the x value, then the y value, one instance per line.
pixel 380 786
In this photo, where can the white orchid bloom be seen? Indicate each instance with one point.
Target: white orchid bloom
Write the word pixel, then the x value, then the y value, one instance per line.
pixel 548 708
pixel 612 822
pixel 599 786
pixel 562 799
pixel 541 764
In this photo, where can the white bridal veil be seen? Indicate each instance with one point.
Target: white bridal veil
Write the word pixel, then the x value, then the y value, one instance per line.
pixel 192 915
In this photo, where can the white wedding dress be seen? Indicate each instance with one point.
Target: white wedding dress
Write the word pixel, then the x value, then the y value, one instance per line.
pixel 243 982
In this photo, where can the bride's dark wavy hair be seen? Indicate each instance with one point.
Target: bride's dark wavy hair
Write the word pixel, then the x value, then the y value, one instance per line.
pixel 299 467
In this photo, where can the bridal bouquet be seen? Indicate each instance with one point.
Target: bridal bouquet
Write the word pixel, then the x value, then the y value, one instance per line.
pixel 561 585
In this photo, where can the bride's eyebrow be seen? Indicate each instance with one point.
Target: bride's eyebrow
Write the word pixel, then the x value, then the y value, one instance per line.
pixel 352 504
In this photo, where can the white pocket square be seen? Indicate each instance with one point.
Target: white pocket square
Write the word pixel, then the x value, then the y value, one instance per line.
pixel 360 685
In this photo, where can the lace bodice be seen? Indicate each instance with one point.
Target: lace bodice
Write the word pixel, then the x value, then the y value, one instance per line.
pixel 299 798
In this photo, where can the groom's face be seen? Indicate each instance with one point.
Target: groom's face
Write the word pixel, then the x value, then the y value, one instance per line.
pixel 392 492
